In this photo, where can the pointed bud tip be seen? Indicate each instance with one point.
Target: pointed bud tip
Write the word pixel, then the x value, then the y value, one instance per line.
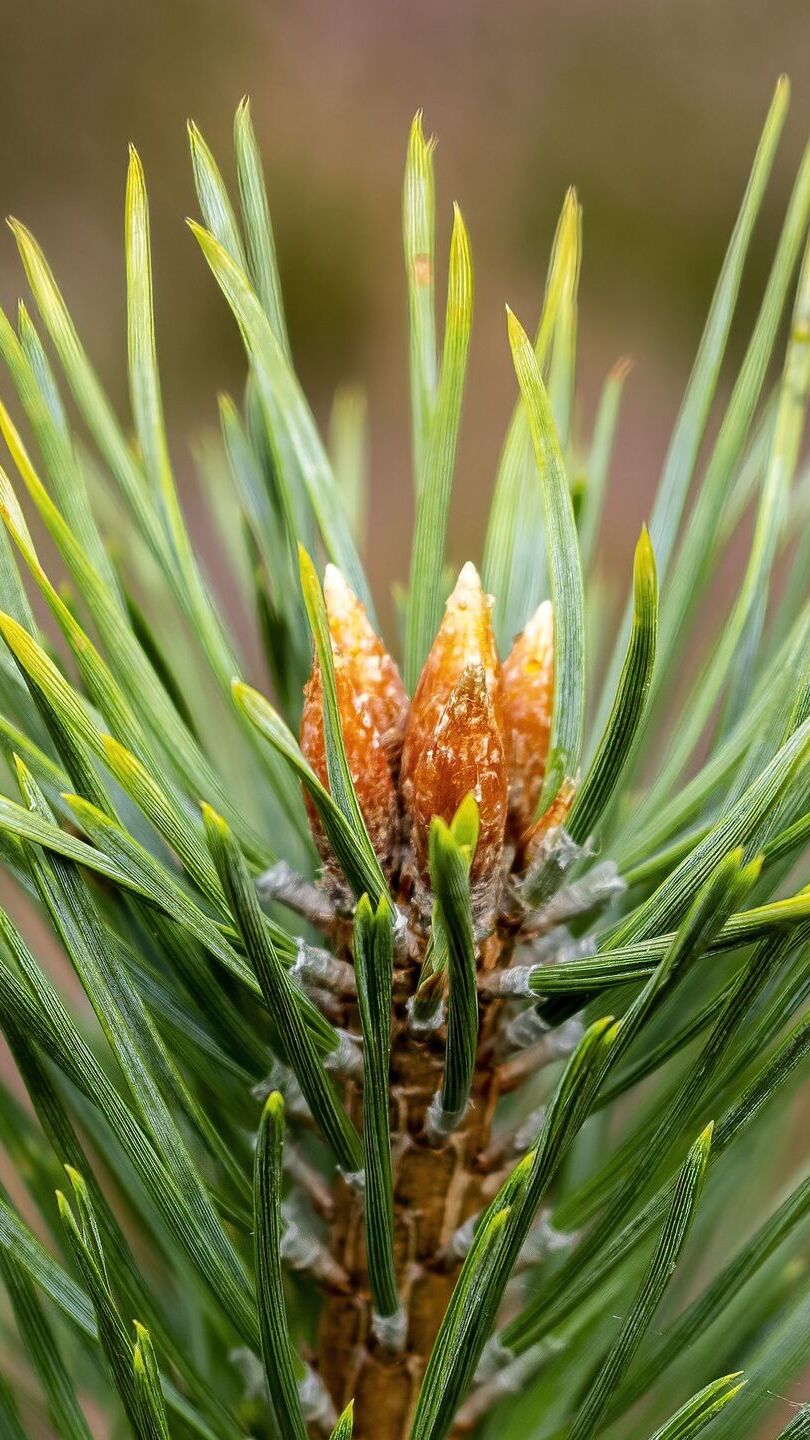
pixel 468 589
pixel 337 592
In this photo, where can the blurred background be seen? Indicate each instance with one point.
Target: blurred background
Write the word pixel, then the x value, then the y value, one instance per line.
pixel 651 107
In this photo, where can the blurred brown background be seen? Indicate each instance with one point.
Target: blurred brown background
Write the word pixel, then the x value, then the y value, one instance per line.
pixel 652 107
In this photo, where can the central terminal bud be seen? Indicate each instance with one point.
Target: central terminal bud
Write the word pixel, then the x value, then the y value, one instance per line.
pixel 455 743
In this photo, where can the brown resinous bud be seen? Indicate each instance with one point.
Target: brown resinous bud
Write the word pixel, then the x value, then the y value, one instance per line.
pixel 372 705
pixel 455 736
pixel 528 676
pixel 529 700
pixel 374 676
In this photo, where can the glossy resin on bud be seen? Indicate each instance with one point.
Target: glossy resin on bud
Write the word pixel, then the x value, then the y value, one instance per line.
pixel 454 741
pixel 372 705
pixel 465 755
pixel 465 637
pixel 374 676
pixel 366 756
pixel 528 674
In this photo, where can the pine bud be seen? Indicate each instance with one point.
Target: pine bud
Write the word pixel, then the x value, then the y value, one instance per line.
pixel 528 675
pixel 364 751
pixel 454 738
pixel 465 754
pixel 373 708
pixel 465 637
pixel 374 676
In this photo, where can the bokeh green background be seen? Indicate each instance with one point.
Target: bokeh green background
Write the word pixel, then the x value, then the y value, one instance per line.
pixel 652 107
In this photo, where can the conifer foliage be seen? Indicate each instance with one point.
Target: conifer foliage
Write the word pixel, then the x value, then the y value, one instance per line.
pixel 406 1037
